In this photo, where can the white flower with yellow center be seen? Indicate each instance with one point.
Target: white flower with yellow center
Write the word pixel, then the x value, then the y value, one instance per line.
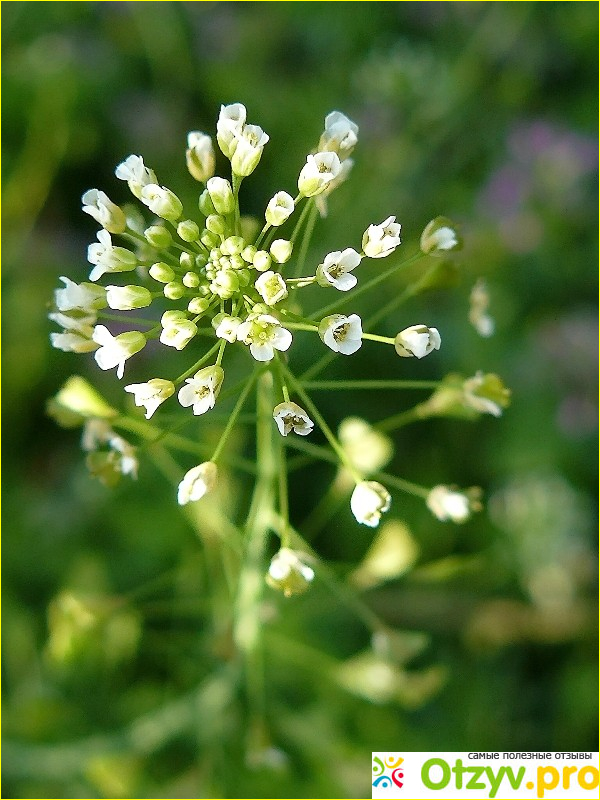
pixel 115 350
pixel 341 334
pixel 247 148
pixel 264 334
pixel 369 501
pixel 197 482
pixel 336 269
pixel 418 341
pixel 291 417
pixel 226 327
pixel 320 169
pixel 202 390
pixel 279 208
pixel 271 287
pixel 136 173
pixel 177 330
pixel 381 240
pixel 151 394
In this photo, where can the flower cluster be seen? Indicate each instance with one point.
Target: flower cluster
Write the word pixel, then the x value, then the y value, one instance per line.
pixel 218 279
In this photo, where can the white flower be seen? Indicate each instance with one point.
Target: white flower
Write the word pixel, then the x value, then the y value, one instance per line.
pixel 264 334
pixel 127 463
pixel 336 268
pixel 99 206
pixel 177 330
pixel 82 325
pixel 221 194
pixel 279 208
pixel 162 202
pixel 479 301
pixel 271 287
pixel 231 121
pixel 202 390
pixel 288 572
pixel 115 350
pixel 320 169
pixel 136 173
pixel 418 340
pixel 108 258
pixel 197 482
pixel 151 394
pixel 340 135
pixel 246 149
pixel 291 417
pixel 227 327
pixel 369 501
pixel 96 432
pixel 321 199
pixel 341 334
pixel 81 296
pixel 486 394
pixel 380 240
pixel 72 343
pixel 440 236
pixel 200 156
pixel 445 504
pixel 367 448
pixel 124 298
pixel 281 250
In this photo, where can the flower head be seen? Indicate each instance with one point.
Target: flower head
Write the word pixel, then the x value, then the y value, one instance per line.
pixel 264 334
pixel 341 334
pixel 106 213
pixel 136 173
pixel 279 208
pixel 271 287
pixel 380 240
pixel 151 394
pixel 79 296
pixel 320 169
pixel 162 201
pixel 202 390
pixel 486 394
pixel 200 156
pixel 340 135
pixel 288 573
pixel 197 482
pixel 418 341
pixel 247 148
pixel 369 501
pixel 447 503
pixel 106 257
pixel 336 269
pixel 291 417
pixel 115 350
pixel 440 236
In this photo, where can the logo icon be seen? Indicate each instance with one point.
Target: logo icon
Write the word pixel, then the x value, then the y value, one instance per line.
pixel 387 771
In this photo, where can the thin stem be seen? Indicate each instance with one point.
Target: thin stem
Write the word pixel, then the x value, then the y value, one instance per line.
pixel 283 495
pixel 300 222
pixel 376 338
pixel 399 420
pixel 308 232
pixel 233 417
pixel 300 326
pixel 314 411
pixel 198 364
pixel 236 182
pixel 222 347
pixel 351 296
pixel 123 318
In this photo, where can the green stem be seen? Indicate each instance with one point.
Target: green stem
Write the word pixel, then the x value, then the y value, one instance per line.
pixel 222 347
pixel 376 338
pixel 399 420
pixel 123 318
pixel 197 365
pixel 233 417
pixel 308 232
pixel 236 182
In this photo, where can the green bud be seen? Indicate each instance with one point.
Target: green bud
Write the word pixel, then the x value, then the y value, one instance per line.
pixel 188 230
pixel 233 245
pixel 174 290
pixel 200 260
pixel 209 239
pixel 198 305
pixel 158 236
pixel 261 260
pixel 225 284
pixel 205 204
pixel 191 280
pixel 161 272
pixel 215 223
pixel 248 253
pixel 125 298
pixel 244 277
pixel 281 250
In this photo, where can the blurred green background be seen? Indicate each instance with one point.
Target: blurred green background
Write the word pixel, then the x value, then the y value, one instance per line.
pixel 116 654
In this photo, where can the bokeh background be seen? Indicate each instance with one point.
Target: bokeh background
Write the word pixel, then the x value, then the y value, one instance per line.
pixel 115 650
